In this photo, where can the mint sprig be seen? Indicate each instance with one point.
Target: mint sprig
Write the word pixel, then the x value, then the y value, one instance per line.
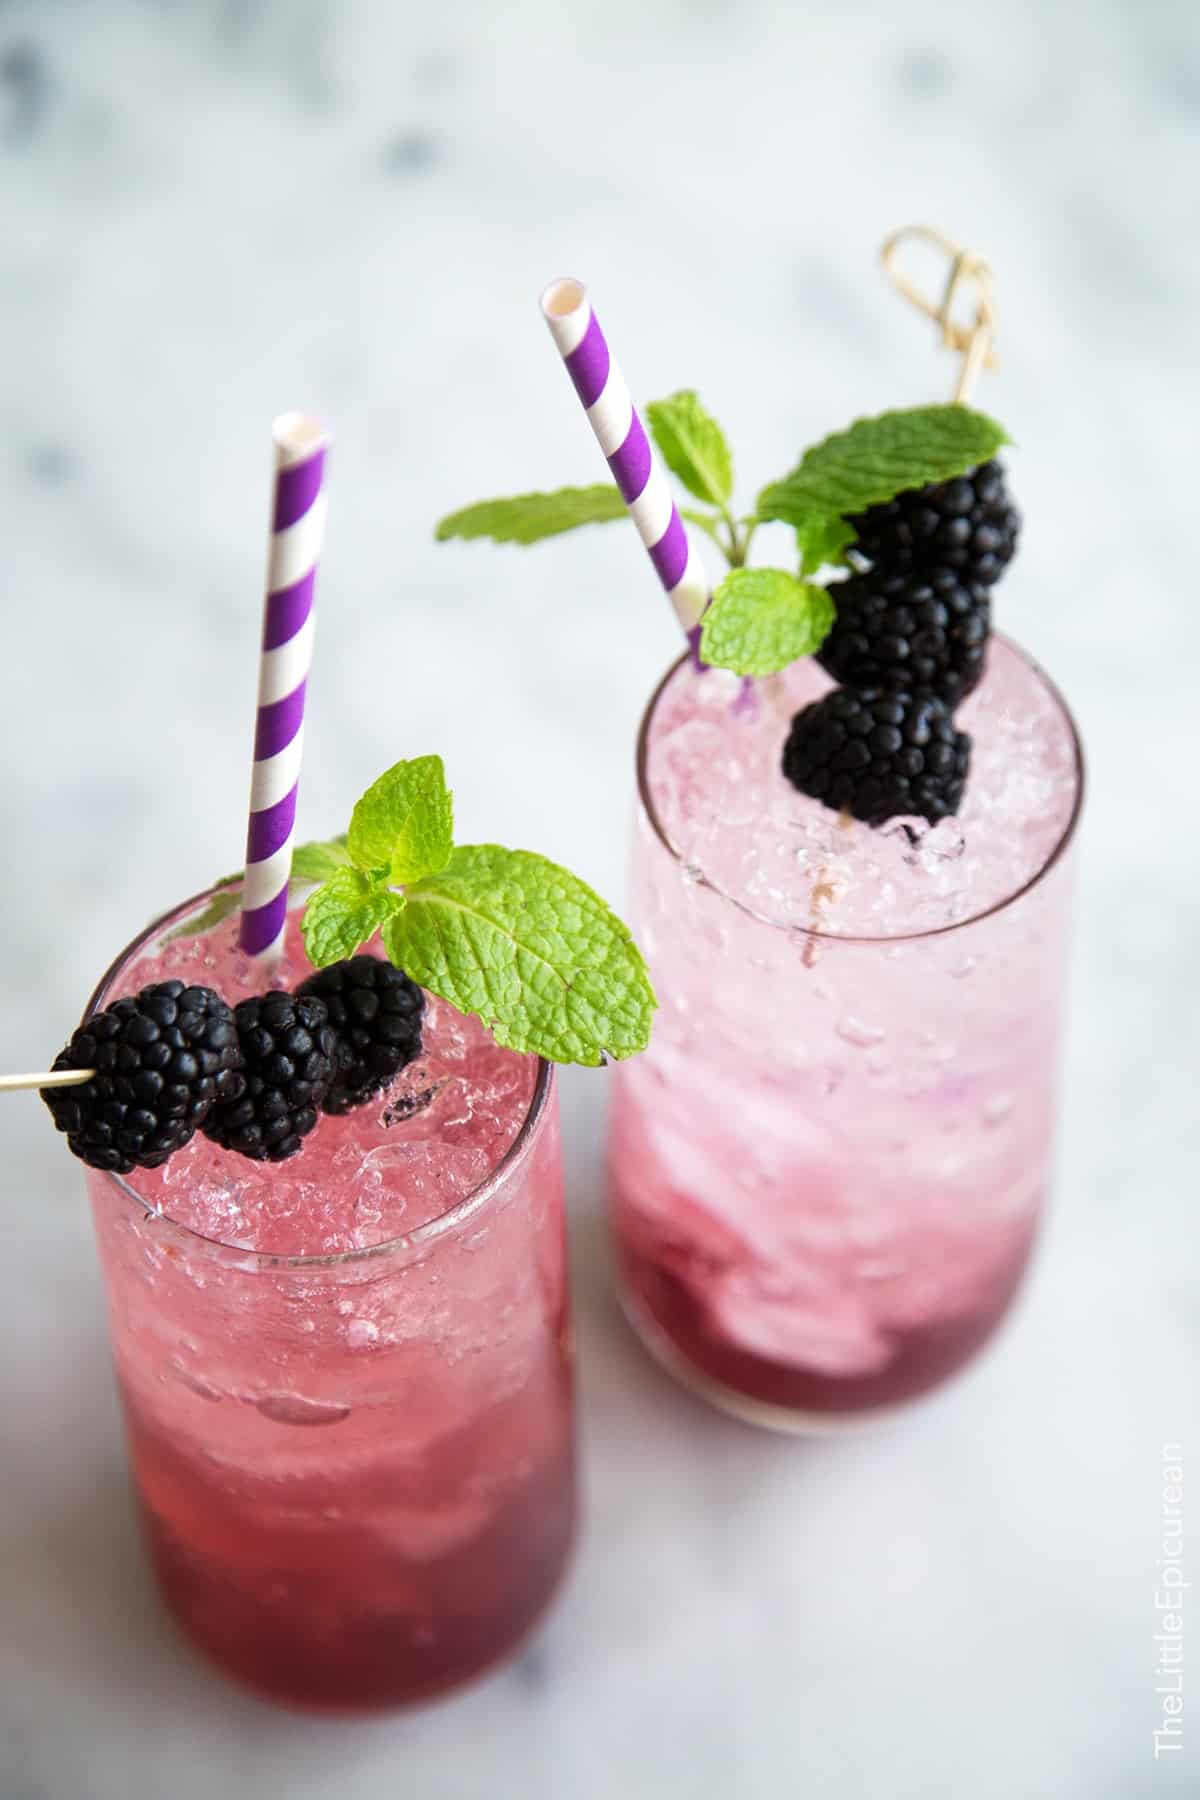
pixel 694 448
pixel 504 934
pixel 758 626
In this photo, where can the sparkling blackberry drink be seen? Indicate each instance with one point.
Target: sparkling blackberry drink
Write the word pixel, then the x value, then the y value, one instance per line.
pixel 323 1157
pixel 827 1171
pixel 851 877
pixel 346 1375
pixel 850 874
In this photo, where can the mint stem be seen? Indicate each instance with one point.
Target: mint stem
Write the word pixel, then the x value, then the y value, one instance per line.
pixel 739 542
pixel 711 527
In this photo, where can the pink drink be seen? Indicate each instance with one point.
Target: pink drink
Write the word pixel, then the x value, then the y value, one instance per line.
pixel 347 1377
pixel 828 1168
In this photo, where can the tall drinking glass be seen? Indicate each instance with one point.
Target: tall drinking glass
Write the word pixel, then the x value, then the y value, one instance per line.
pixel 347 1377
pixel 827 1171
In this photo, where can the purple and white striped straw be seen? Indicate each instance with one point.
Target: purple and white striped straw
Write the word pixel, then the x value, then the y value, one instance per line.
pixel 297 529
pixel 636 469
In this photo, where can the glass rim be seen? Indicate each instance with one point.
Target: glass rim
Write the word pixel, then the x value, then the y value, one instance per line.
pixel 445 1224
pixel 896 937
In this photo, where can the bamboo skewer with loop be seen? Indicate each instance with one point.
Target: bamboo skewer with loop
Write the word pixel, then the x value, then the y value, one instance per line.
pixel 975 342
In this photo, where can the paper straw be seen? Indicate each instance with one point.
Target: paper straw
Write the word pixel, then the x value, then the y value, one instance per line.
pixel 297 528
pixel 636 470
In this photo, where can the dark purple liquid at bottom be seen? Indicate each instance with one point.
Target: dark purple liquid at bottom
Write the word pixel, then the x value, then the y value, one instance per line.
pixel 322 1615
pixel 672 1301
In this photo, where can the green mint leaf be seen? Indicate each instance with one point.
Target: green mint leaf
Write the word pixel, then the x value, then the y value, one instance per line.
pixel 218 908
pixel 761 620
pixel 404 824
pixel 876 459
pixel 693 446
pixel 525 518
pixel 317 862
pixel 530 949
pixel 344 913
pixel 823 541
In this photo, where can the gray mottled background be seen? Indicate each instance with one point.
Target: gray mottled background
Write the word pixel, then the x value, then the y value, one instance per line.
pixel 214 211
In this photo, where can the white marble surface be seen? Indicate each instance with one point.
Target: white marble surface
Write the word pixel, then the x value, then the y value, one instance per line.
pixel 213 211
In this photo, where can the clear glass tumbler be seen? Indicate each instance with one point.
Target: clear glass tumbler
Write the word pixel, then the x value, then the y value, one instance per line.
pixel 355 1471
pixel 827 1171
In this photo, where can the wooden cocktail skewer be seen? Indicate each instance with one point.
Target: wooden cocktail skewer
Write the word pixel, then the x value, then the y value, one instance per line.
pixel 825 892
pixel 10 1084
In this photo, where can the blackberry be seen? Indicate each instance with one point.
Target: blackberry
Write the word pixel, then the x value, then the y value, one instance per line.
pixel 376 1011
pixel 969 525
pixel 163 1059
pixel 288 1049
pixel 878 754
pixel 923 629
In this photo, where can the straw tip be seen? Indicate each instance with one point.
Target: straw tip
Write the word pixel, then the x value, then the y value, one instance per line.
pixel 563 297
pixel 297 435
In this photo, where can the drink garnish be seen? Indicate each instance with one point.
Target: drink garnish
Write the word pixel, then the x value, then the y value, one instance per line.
pixel 504 934
pixel 901 526
pixel 762 619
pixel 879 754
pixel 160 1061
pixel 289 1056
pixel 376 1012
pixel 923 628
